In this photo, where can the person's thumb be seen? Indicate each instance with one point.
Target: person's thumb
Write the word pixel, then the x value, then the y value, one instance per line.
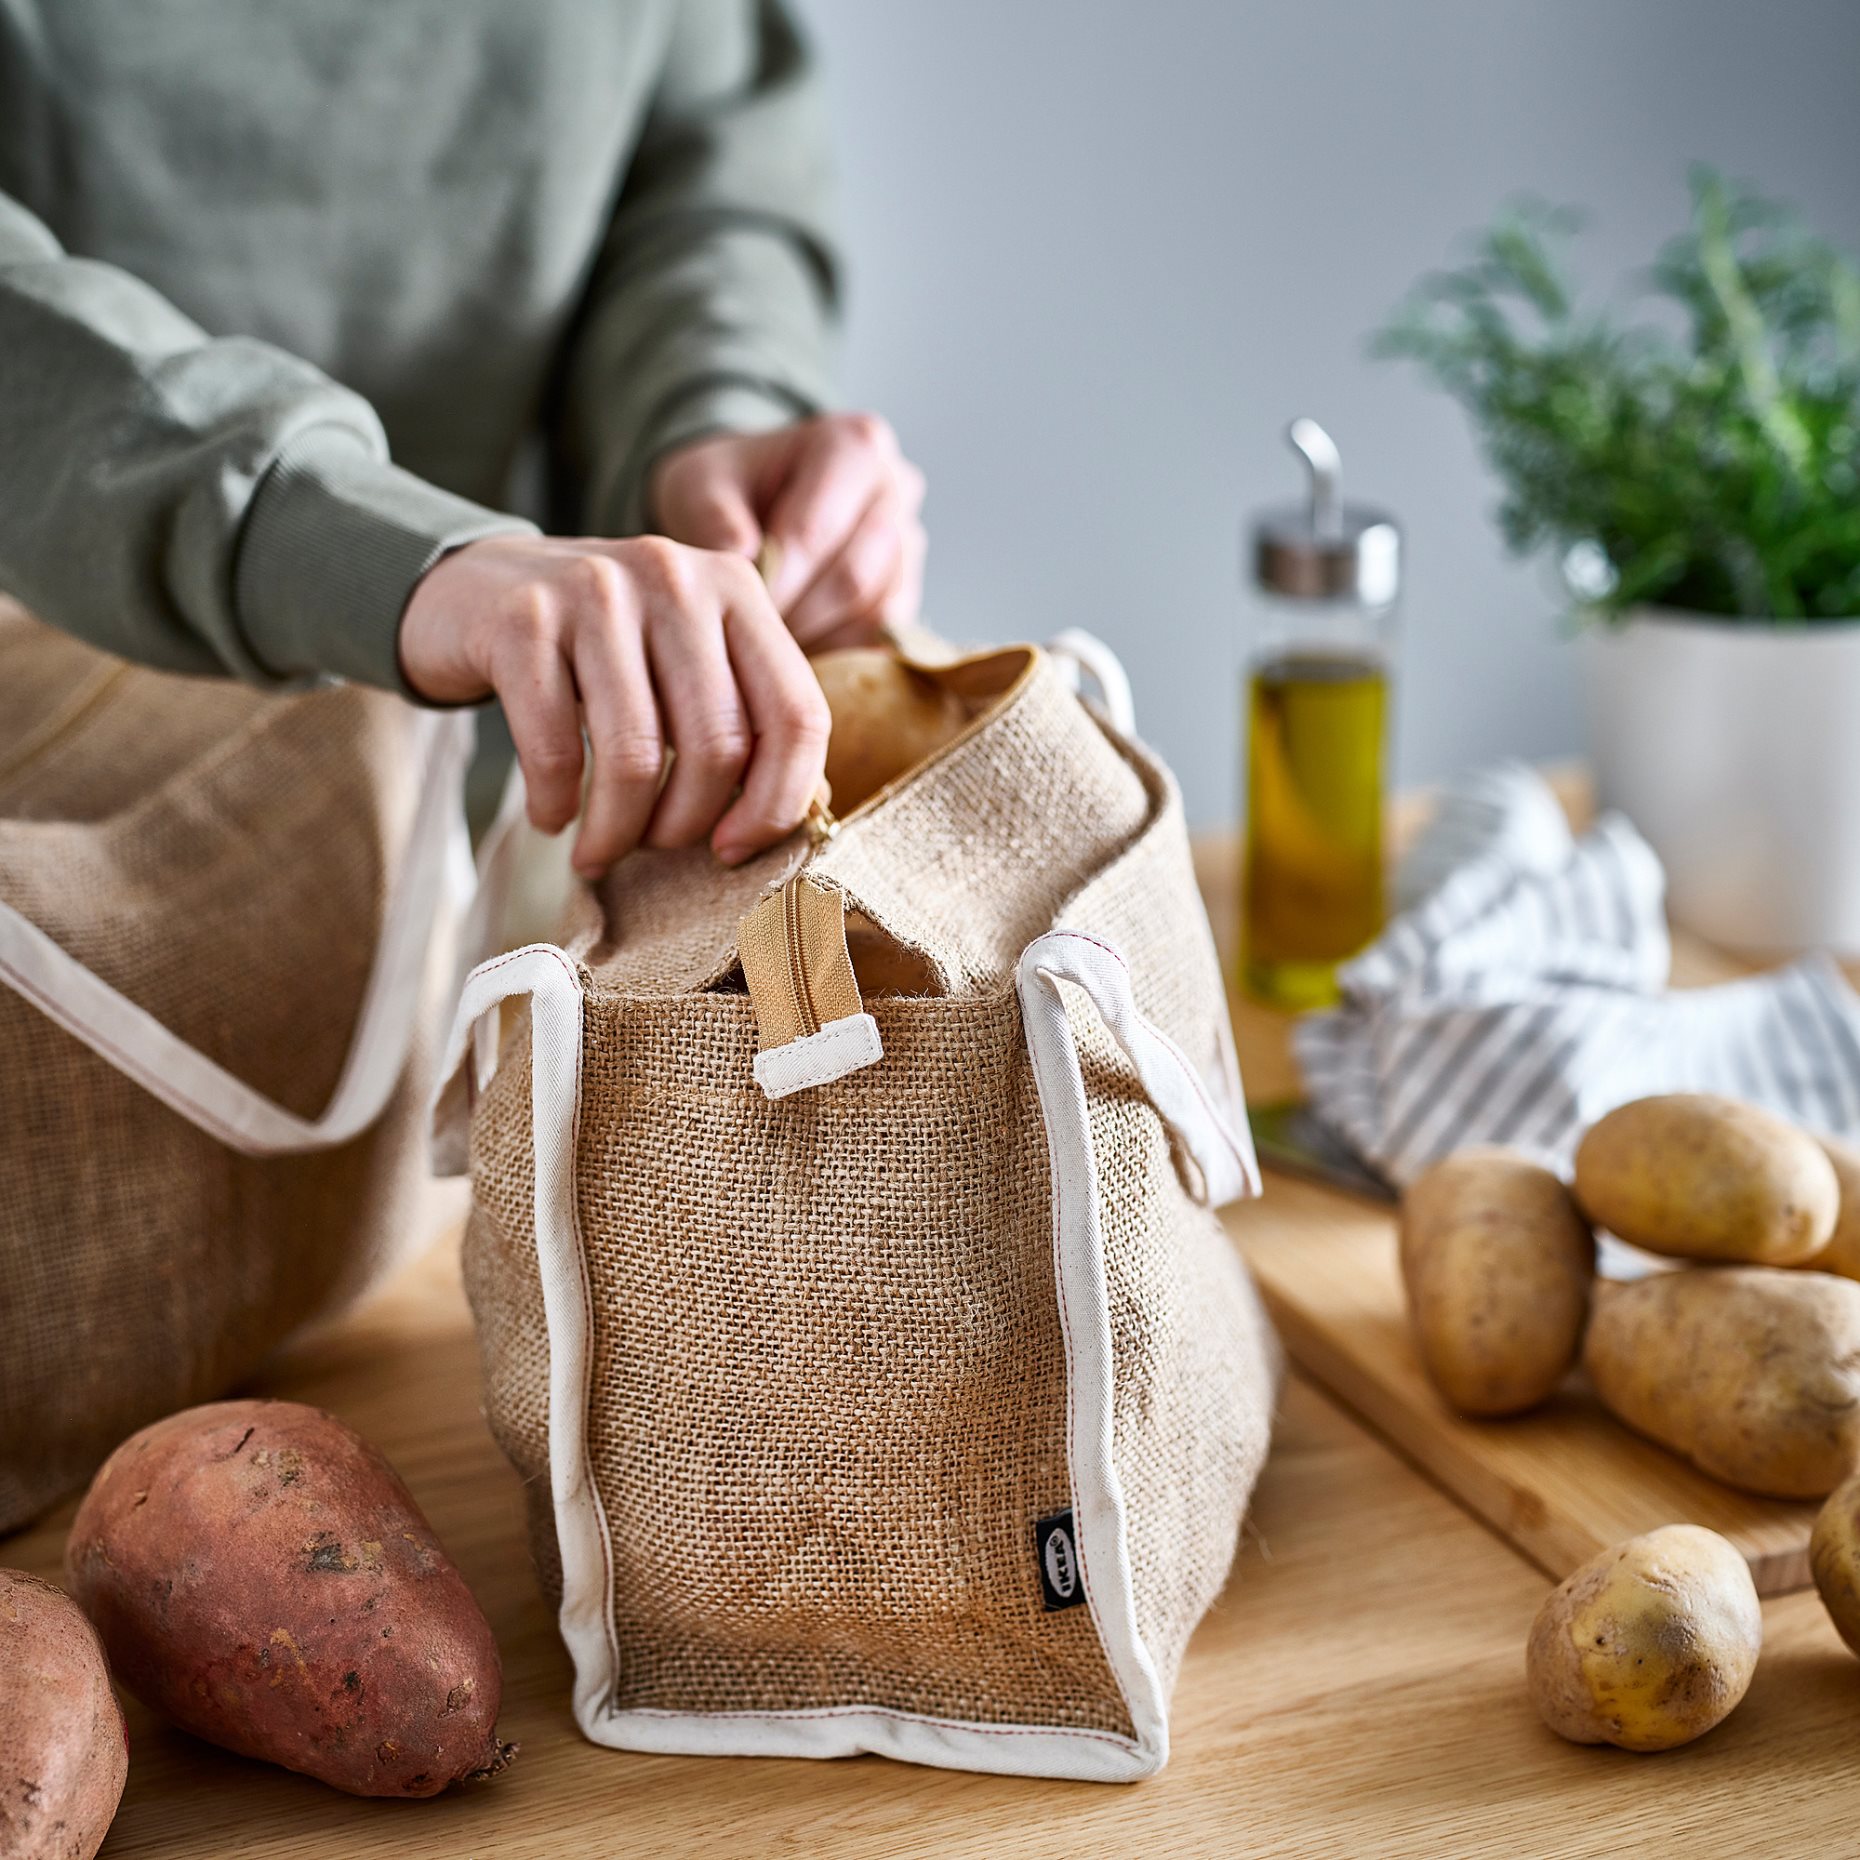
pixel 710 510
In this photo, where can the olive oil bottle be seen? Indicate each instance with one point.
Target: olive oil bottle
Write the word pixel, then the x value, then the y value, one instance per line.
pixel 1316 713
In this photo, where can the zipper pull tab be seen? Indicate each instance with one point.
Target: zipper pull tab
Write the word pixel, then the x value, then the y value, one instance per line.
pixel 811 1024
pixel 820 822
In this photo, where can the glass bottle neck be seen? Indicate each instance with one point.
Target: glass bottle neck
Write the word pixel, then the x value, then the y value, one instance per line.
pixel 1339 634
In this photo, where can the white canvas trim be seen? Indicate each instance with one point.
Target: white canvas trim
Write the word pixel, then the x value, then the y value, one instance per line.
pixel 553 984
pixel 820 1057
pixel 1228 1169
pixel 1079 651
pixel 182 1077
pixel 1224 1157
pixel 853 1731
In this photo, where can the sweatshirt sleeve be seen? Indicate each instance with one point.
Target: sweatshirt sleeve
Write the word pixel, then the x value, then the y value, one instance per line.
pixel 205 505
pixel 713 299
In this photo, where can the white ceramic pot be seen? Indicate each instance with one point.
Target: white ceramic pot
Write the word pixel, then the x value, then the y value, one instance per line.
pixel 1735 748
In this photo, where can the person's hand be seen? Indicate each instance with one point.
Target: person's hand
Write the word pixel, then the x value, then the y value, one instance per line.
pixel 833 495
pixel 653 646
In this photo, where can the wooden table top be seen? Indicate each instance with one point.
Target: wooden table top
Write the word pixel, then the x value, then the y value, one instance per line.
pixel 1357 1691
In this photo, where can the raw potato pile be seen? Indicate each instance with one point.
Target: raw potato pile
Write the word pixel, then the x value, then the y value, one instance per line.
pixel 1747 1362
pixel 1750 1371
pixel 63 1750
pixel 258 1574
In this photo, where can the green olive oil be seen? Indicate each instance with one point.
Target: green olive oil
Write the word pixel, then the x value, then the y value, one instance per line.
pixel 1313 873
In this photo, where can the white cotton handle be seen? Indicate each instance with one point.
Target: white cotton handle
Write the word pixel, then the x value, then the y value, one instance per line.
pixel 204 1092
pixel 486 896
pixel 552 983
pixel 1207 1127
pixel 1084 652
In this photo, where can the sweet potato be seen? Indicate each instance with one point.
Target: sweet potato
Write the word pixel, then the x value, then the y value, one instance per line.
pixel 63 1752
pixel 259 1574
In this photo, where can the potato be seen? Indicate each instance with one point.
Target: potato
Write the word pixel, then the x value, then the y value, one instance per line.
pixel 1647 1645
pixel 1701 1177
pixel 887 718
pixel 259 1574
pixel 1752 1373
pixel 1842 1253
pixel 1834 1558
pixel 63 1750
pixel 1498 1264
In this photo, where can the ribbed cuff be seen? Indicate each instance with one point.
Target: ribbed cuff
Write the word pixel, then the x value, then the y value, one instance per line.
pixel 721 404
pixel 329 553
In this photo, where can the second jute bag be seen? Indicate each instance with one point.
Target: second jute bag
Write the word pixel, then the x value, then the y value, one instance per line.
pixel 225 945
pixel 850 1292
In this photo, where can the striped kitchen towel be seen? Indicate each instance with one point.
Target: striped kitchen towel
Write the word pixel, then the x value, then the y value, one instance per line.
pixel 1522 992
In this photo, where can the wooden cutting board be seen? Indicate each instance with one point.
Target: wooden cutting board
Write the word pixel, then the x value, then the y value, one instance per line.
pixel 1561 1483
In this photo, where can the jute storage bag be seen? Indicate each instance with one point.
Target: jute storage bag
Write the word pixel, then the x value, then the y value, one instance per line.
pixel 849 1289
pixel 222 965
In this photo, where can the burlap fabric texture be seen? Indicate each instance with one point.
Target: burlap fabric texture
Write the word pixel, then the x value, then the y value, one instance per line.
pixel 803 1391
pixel 194 883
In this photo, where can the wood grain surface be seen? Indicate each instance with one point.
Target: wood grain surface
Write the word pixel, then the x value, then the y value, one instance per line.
pixel 1356 1692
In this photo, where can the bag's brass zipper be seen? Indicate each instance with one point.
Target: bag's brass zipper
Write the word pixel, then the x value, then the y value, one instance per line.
pixel 795 962
pixel 820 823
pixel 804 1009
pixel 823 824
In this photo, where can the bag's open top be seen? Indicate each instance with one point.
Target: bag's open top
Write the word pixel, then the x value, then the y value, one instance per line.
pixel 961 860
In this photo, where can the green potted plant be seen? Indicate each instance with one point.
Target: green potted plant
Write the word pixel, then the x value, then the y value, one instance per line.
pixel 1698 474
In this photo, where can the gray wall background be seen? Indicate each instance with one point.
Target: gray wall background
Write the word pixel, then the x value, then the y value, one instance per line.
pixel 1102 251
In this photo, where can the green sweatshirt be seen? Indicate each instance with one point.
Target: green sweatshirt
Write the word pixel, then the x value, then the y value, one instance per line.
pixel 297 294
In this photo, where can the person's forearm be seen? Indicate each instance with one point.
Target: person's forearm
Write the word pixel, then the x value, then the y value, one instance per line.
pixel 210 506
pixel 713 303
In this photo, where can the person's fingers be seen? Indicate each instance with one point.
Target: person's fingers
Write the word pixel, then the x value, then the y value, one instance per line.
pixel 702 713
pixel 851 586
pixel 896 611
pixel 621 717
pixel 533 683
pixel 904 600
pixel 705 502
pixel 789 715
pixel 866 632
pixel 832 479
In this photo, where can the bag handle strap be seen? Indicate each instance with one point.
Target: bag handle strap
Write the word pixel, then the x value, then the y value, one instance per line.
pixel 1081 652
pixel 204 1092
pixel 551 981
pixel 1222 1151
